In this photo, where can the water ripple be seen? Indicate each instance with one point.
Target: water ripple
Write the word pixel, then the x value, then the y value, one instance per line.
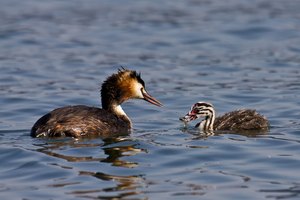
pixel 233 54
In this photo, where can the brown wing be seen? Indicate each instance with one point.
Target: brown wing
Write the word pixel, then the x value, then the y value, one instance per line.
pixel 78 121
pixel 244 119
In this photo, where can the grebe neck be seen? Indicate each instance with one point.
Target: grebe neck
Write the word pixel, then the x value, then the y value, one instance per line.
pixel 207 124
pixel 119 112
pixel 111 101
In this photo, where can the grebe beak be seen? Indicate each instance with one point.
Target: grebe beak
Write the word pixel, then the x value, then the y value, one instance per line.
pixel 188 117
pixel 151 99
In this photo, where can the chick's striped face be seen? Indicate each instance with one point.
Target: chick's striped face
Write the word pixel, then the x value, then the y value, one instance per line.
pixel 201 109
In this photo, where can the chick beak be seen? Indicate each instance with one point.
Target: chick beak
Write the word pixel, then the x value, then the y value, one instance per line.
pixel 188 117
pixel 151 99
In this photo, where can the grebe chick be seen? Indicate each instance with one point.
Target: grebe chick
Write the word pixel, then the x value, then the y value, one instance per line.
pixel 80 120
pixel 244 119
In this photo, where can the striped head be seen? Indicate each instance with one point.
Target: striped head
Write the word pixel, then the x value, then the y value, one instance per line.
pixel 198 110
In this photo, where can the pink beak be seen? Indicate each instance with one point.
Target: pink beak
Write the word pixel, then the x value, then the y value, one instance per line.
pixel 151 99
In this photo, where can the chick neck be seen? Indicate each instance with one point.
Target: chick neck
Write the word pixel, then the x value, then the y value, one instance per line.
pixel 207 124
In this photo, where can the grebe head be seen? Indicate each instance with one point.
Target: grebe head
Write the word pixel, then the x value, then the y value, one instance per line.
pixel 124 85
pixel 200 109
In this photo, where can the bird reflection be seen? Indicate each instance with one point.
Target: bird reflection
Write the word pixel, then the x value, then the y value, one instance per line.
pixel 115 152
pixel 124 183
pixel 114 148
pixel 203 134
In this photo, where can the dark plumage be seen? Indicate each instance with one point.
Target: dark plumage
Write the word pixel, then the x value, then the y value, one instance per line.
pixel 80 120
pixel 244 119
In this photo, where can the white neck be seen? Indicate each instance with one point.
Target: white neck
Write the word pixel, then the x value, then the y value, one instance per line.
pixel 118 110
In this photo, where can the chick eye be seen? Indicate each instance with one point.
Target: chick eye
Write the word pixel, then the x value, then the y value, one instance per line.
pixel 199 110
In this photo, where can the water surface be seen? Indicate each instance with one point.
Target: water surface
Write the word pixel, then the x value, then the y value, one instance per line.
pixel 234 54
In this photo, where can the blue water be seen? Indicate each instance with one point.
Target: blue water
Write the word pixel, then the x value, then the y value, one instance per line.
pixel 234 54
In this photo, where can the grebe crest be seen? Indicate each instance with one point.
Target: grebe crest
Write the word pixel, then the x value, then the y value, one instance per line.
pixel 244 119
pixel 77 121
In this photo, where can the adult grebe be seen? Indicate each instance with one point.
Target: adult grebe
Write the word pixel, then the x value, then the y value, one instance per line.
pixel 244 119
pixel 80 120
